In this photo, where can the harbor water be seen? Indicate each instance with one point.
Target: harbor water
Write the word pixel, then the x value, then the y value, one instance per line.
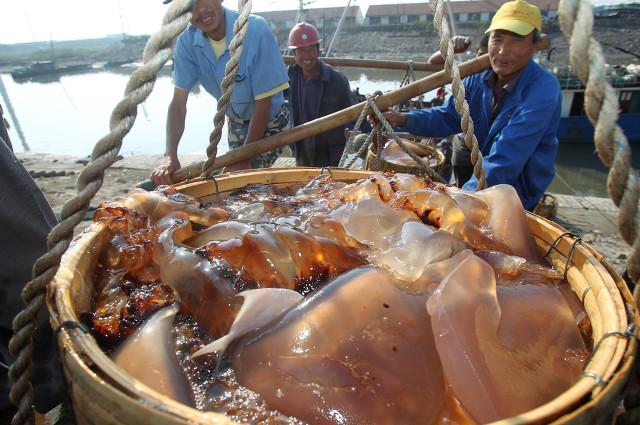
pixel 68 114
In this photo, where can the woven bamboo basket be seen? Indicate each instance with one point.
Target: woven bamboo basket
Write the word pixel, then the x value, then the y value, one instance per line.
pixel 103 394
pixel 376 163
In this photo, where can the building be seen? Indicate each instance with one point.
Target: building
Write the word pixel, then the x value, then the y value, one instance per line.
pixel 464 12
pixel 327 17
pixel 468 12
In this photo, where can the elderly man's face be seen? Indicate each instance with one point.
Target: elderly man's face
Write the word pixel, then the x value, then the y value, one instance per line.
pixel 208 15
pixel 510 52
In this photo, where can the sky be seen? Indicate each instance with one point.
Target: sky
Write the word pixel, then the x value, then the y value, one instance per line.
pixel 24 21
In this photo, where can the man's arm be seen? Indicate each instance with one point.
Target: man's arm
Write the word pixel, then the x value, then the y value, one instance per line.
pixel 257 127
pixel 176 115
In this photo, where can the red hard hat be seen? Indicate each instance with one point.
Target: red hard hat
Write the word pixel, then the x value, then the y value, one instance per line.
pixel 303 34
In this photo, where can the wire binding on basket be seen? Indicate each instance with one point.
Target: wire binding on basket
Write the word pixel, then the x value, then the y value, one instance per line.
pixel 328 169
pixel 554 245
pixel 630 332
pixel 570 256
pixel 215 183
pixel 584 294
pixel 599 381
pixel 69 325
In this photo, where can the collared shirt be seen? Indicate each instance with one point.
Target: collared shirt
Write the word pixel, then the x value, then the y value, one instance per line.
pixel 309 99
pixel 498 98
pixel 520 144
pixel 260 70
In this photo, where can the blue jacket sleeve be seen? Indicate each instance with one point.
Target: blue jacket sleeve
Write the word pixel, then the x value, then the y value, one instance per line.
pixel 441 121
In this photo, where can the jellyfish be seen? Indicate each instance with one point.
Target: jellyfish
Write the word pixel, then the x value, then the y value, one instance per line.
pixel 359 350
pixel 148 356
pixel 504 350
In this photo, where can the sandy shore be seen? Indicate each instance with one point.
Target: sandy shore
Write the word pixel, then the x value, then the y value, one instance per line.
pixel 56 175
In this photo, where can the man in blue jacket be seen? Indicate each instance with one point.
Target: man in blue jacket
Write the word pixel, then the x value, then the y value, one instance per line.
pixel 515 108
pixel 256 108
pixel 317 89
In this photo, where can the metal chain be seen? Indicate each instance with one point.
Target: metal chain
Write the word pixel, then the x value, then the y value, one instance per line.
pixel 240 28
pixel 446 50
pixel 157 52
pixel 601 107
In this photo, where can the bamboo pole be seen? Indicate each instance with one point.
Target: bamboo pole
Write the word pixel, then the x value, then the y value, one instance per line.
pixel 387 64
pixel 374 64
pixel 328 122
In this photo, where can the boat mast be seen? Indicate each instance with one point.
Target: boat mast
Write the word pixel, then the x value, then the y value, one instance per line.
pixel 12 114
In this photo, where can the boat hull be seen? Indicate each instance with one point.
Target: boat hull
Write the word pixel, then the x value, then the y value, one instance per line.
pixel 578 129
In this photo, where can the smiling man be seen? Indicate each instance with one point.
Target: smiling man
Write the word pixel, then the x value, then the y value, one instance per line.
pixel 317 89
pixel 515 107
pixel 256 108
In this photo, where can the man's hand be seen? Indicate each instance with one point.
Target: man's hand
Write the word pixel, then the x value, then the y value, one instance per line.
pixel 395 119
pixel 244 165
pixel 460 43
pixel 162 174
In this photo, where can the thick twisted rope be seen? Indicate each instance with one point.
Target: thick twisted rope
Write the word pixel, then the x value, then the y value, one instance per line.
pixel 446 50
pixel 240 28
pixel 156 53
pixel 601 107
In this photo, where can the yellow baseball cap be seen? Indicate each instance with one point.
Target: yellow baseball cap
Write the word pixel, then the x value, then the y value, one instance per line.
pixel 517 16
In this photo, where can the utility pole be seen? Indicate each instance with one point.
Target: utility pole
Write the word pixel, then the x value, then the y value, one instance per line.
pixel 335 34
pixel 300 16
pixel 452 24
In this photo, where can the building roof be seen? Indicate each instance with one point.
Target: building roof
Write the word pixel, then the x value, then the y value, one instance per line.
pixel 332 12
pixel 279 15
pixel 312 14
pixel 469 6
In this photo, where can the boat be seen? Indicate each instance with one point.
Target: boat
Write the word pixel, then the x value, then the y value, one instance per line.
pixel 575 127
pixel 47 68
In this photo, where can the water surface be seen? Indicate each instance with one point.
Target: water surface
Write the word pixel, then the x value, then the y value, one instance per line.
pixel 68 114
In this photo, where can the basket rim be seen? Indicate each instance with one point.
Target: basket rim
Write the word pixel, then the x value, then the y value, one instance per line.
pixel 95 360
